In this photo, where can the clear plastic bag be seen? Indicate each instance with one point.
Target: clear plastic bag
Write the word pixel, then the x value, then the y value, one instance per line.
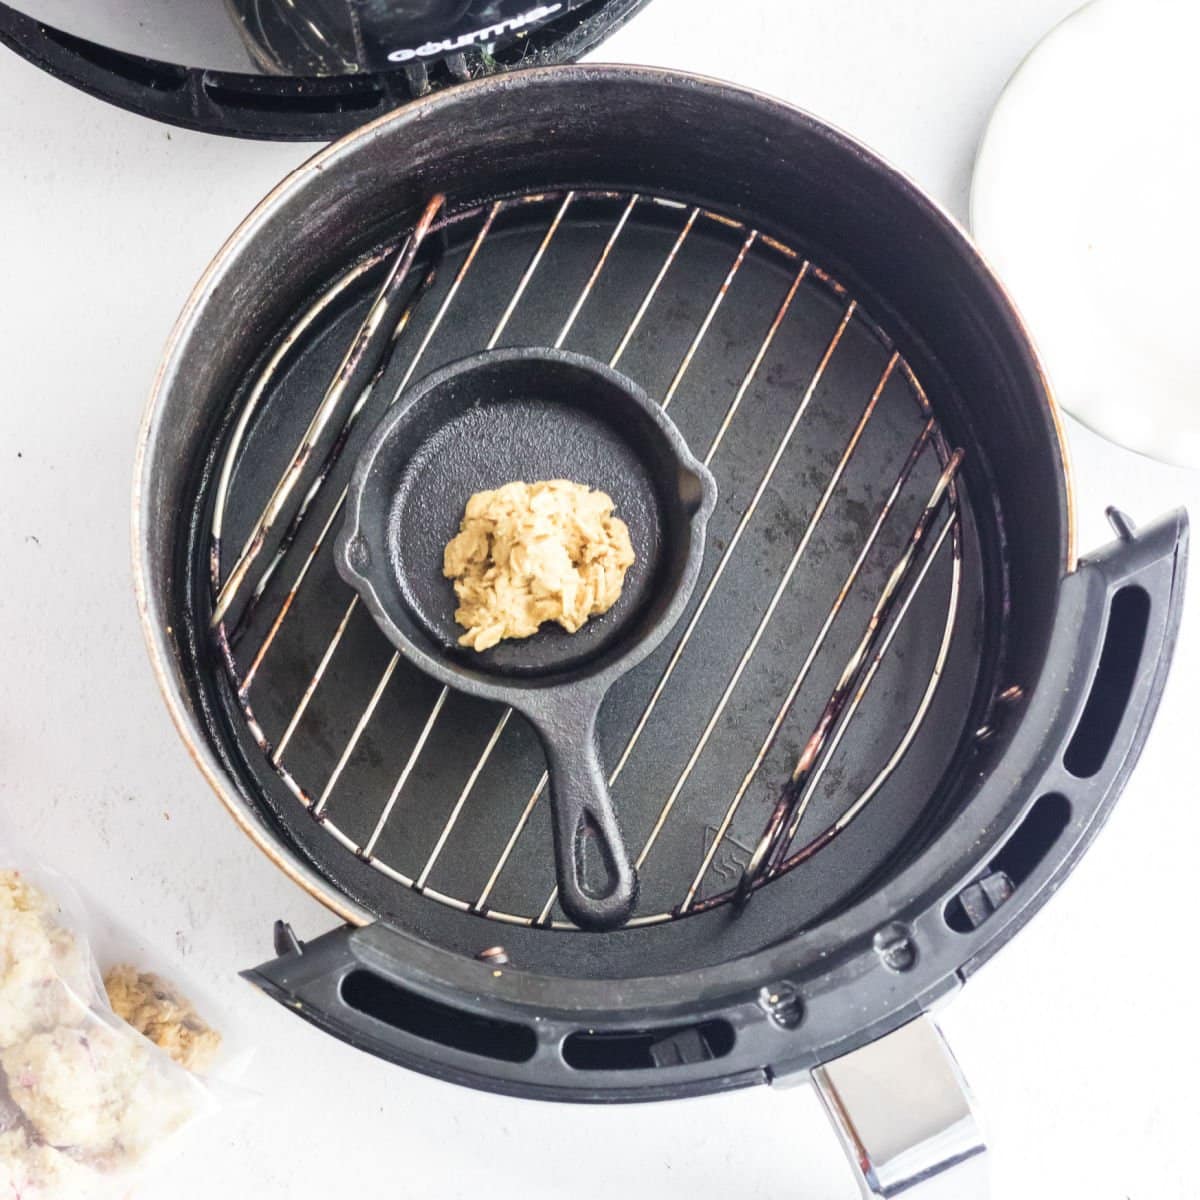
pixel 86 1102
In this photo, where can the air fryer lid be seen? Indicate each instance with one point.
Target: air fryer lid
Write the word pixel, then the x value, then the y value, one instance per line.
pixel 891 633
pixel 306 69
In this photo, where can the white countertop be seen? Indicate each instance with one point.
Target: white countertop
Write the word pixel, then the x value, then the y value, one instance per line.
pixel 1080 1039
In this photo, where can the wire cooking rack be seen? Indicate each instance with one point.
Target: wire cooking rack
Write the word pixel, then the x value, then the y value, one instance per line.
pixel 251 600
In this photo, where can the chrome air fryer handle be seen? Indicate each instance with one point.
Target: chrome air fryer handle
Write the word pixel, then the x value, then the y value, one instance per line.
pixel 903 1112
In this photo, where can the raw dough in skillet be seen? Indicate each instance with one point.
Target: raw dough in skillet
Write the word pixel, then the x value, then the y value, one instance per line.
pixel 526 554
pixel 481 449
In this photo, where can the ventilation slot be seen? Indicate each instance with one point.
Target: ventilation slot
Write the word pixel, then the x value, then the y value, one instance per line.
pixel 1020 856
pixel 648 1049
pixel 1111 689
pixel 434 1022
pixel 254 95
pixel 144 72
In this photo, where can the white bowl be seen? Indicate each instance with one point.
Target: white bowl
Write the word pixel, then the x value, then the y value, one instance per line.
pixel 1086 198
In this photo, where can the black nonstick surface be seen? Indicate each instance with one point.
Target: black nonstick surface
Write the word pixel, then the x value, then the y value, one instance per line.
pixel 425 800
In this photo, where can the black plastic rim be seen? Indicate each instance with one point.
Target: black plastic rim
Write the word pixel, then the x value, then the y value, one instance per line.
pixel 288 108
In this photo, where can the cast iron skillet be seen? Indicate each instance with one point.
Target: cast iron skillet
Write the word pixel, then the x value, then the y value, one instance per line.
pixel 530 414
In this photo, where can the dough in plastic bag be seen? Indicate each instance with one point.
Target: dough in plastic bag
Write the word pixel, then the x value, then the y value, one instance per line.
pixel 35 1172
pixel 163 1015
pixel 94 1090
pixel 44 976
pixel 85 1100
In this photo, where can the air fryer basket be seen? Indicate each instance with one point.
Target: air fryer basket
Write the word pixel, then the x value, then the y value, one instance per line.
pixel 892 650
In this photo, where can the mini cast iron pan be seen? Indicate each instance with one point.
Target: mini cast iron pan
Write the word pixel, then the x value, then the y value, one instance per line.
pixel 532 414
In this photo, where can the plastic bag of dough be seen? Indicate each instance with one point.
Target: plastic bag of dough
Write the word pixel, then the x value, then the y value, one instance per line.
pixel 86 1101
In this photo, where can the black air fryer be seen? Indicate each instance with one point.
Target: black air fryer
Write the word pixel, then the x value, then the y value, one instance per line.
pixel 306 70
pixel 895 704
pixel 893 714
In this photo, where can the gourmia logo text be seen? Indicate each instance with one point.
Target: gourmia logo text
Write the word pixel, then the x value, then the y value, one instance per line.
pixel 480 36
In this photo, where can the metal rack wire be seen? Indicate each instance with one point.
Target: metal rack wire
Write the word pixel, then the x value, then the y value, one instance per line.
pixel 388 320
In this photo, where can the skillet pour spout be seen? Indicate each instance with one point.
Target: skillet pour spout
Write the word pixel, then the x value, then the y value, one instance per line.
pixel 532 413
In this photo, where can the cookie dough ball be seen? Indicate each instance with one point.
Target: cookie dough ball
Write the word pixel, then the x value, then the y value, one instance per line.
pixel 74 1085
pixel 44 975
pixel 31 1171
pixel 159 1012
pixel 526 554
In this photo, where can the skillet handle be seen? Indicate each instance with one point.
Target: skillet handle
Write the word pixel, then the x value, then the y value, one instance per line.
pixel 597 885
